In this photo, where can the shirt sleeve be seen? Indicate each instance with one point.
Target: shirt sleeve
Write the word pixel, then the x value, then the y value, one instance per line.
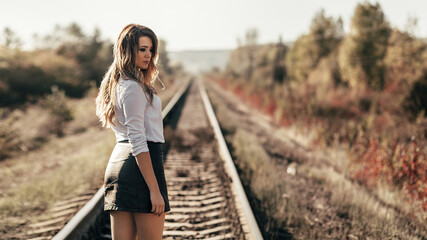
pixel 134 104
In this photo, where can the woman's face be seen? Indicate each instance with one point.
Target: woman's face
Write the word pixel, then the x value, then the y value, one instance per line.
pixel 144 53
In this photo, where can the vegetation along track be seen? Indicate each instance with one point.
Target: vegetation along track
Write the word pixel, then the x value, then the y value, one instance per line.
pixel 206 197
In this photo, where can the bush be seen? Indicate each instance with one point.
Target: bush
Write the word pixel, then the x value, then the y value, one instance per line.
pixel 57 104
pixel 23 83
pixel 9 139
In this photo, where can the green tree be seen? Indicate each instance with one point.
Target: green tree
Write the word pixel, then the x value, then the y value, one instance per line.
pixel 90 51
pixel 301 58
pixel 86 49
pixel 406 71
pixel 305 53
pixel 405 61
pixel 362 53
pixel 326 33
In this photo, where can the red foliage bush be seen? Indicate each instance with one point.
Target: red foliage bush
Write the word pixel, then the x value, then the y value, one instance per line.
pixel 409 170
pixel 371 164
pixel 402 165
pixel 256 101
pixel 271 107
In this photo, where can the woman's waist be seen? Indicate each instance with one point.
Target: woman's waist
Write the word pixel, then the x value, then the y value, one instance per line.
pixel 148 142
pixel 156 137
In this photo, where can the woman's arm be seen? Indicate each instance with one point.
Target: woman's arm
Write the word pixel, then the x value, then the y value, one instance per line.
pixel 134 104
pixel 144 163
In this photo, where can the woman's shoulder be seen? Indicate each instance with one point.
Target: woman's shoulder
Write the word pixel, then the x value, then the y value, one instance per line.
pixel 128 84
pixel 128 87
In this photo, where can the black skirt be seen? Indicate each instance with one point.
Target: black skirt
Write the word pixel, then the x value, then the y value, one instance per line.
pixel 125 187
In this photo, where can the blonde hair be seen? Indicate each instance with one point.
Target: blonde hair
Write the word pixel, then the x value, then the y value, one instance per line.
pixel 124 66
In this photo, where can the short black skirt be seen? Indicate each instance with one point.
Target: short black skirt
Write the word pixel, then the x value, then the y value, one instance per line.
pixel 125 187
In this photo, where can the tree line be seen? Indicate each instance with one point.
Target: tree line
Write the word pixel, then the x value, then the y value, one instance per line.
pixel 365 90
pixel 67 58
pixel 372 56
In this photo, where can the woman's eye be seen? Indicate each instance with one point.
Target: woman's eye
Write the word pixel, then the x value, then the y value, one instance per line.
pixel 143 50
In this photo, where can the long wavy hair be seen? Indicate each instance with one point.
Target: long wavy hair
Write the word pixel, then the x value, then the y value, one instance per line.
pixel 124 66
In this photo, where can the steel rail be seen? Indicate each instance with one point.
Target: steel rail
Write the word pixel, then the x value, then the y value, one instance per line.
pixel 253 231
pixel 86 216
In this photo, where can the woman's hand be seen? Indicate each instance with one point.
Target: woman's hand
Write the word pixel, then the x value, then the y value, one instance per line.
pixel 157 202
pixel 143 160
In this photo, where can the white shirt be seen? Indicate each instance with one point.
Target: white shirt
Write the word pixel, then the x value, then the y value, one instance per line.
pixel 136 119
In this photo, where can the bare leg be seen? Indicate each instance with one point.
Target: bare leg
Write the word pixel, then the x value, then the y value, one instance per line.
pixel 122 226
pixel 149 226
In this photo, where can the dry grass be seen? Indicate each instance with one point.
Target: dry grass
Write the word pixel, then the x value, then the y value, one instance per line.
pixel 33 180
pixel 61 168
pixel 34 124
pixel 319 201
pixel 373 217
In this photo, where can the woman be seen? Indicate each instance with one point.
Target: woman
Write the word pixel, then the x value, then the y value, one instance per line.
pixel 135 186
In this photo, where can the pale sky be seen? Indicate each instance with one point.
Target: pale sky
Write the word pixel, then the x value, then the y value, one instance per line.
pixel 194 24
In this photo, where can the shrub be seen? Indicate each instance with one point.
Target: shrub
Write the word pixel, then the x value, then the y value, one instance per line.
pixel 9 139
pixel 23 83
pixel 57 104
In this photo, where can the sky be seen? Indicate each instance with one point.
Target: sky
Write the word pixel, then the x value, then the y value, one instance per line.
pixel 194 24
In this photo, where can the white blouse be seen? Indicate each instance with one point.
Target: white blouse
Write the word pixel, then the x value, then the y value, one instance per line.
pixel 136 119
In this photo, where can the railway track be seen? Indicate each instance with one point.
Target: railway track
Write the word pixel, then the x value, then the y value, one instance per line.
pixel 206 197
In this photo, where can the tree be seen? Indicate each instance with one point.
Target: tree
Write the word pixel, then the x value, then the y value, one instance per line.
pixel 242 62
pixel 324 36
pixel 90 51
pixel 404 61
pixel 163 57
pixel 301 58
pixel 363 51
pixel 279 69
pixel 9 39
pixel 406 70
pixel 250 47
pixel 416 101
pixel 326 33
